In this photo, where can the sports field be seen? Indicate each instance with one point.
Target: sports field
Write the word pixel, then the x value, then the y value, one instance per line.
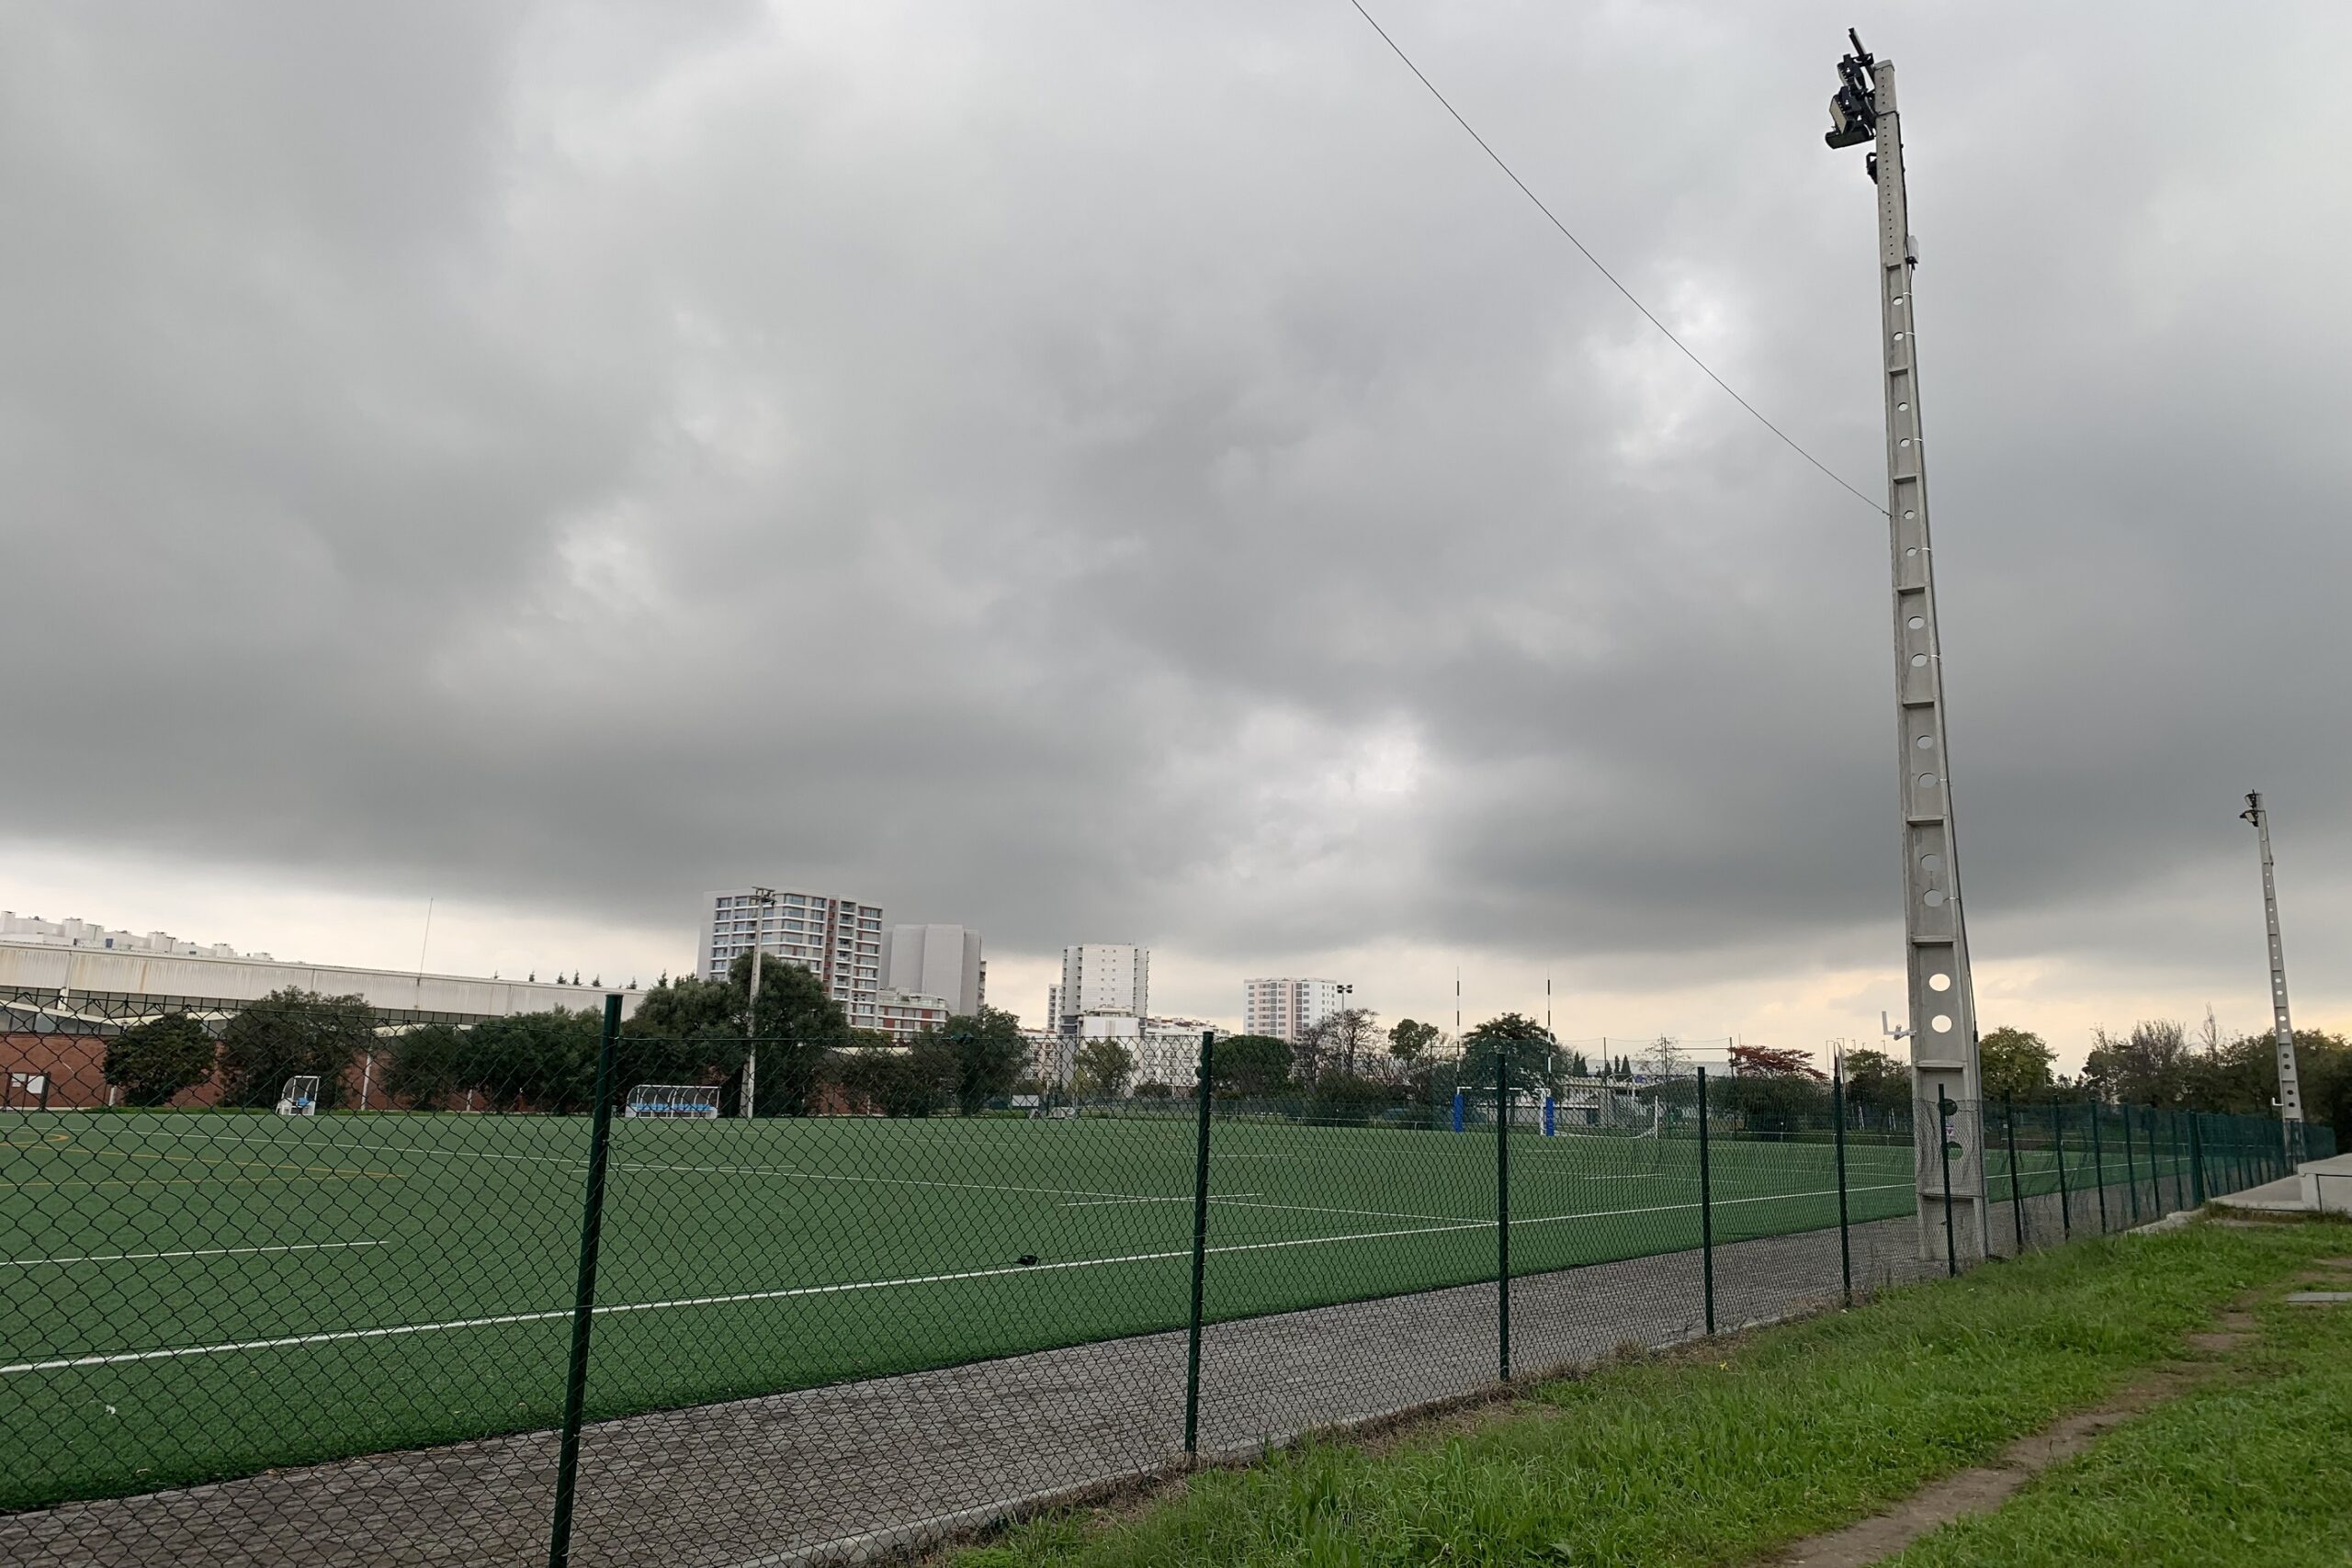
pixel 189 1295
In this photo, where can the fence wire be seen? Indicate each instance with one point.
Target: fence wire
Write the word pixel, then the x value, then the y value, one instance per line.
pixel 314 1287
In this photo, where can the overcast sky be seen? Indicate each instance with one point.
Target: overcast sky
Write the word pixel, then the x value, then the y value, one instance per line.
pixel 1136 472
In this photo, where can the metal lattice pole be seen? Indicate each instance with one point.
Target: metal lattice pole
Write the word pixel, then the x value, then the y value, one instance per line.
pixel 1942 1014
pixel 2290 1088
pixel 762 900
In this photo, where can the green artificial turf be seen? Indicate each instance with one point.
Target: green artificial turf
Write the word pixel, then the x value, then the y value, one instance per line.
pixel 1711 1457
pixel 424 1264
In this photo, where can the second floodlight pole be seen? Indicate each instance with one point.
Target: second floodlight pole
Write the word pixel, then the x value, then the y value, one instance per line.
pixel 1943 1017
pixel 762 900
pixel 2290 1088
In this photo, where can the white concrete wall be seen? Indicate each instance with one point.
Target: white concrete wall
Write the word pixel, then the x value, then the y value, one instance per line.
pixel 37 968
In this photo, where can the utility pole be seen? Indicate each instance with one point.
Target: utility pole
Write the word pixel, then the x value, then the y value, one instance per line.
pixel 2290 1088
pixel 1943 1017
pixel 762 900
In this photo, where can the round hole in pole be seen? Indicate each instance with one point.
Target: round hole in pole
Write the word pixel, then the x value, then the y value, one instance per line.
pixel 1904 441
pixel 1919 660
pixel 1927 781
pixel 1898 337
pixel 1902 408
pixel 1931 863
pixel 1934 898
pixel 1939 982
pixel 1940 1023
pixel 1908 514
pixel 1917 622
pixel 1926 743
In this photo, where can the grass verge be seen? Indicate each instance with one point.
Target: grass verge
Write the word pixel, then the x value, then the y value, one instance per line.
pixel 1714 1454
pixel 2253 1471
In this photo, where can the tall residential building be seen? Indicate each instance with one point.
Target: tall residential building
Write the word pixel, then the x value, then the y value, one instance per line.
pixel 837 940
pixel 1103 977
pixel 937 961
pixel 1287 1009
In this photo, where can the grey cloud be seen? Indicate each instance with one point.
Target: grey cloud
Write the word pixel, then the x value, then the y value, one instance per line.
pixel 1075 470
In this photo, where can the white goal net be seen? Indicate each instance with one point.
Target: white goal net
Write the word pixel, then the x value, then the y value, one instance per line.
pixel 300 1097
pixel 672 1099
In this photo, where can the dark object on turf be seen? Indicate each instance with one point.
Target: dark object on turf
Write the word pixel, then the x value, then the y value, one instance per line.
pixel 1026 1259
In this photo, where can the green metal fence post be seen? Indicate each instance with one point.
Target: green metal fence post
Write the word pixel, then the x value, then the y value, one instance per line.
pixel 584 1294
pixel 1200 1252
pixel 2184 1155
pixel 2016 1202
pixel 1502 1206
pixel 2130 1169
pixel 1706 1206
pixel 2099 1168
pixel 2197 1158
pixel 2155 1172
pixel 2058 1143
pixel 1945 1106
pixel 1837 1114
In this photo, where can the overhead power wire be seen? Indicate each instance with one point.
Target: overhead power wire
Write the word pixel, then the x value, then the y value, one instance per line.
pixel 1582 250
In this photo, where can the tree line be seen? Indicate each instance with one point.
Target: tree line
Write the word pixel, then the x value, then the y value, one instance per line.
pixel 685 1030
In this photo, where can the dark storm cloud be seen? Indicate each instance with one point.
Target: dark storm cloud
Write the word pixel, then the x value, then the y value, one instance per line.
pixel 1098 471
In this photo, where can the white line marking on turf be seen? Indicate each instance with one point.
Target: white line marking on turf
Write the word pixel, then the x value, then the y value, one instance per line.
pixel 189 1252
pixel 396 1331
pixel 1179 1198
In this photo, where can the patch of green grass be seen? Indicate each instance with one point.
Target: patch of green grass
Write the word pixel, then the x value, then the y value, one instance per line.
pixel 2255 1470
pixel 1709 1458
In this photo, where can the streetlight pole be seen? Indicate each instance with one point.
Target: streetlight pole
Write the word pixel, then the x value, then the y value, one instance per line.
pixel 762 900
pixel 2290 1088
pixel 1943 1017
pixel 1348 1030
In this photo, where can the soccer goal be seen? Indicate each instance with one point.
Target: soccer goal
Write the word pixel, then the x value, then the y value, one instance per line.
pixel 300 1097
pixel 673 1099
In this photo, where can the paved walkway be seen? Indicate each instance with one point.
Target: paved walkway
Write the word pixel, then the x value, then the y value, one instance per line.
pixel 844 1471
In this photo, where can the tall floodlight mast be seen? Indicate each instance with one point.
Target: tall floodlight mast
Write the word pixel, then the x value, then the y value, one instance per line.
pixel 1942 1018
pixel 2290 1088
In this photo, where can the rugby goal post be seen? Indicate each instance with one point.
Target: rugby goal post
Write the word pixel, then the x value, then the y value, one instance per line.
pixel 300 1097
pixel 670 1099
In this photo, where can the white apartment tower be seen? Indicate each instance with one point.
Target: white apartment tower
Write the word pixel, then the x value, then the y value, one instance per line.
pixel 837 940
pixel 1103 977
pixel 937 961
pixel 1287 1009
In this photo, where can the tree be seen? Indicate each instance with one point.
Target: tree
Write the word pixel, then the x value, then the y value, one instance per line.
pixel 1773 1091
pixel 289 1034
pixel 153 1061
pixel 1876 1081
pixel 1249 1066
pixel 1520 1046
pixel 1410 1042
pixel 1346 1040
pixel 2147 1066
pixel 1774 1061
pixel 2015 1064
pixel 1666 1059
pixel 1102 1067
pixel 533 1061
pixel 911 1080
pixel 690 1030
pixel 1152 1088
pixel 990 1054
pixel 423 1066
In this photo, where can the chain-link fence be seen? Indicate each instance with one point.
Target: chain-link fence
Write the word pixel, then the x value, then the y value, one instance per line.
pixel 302 1287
